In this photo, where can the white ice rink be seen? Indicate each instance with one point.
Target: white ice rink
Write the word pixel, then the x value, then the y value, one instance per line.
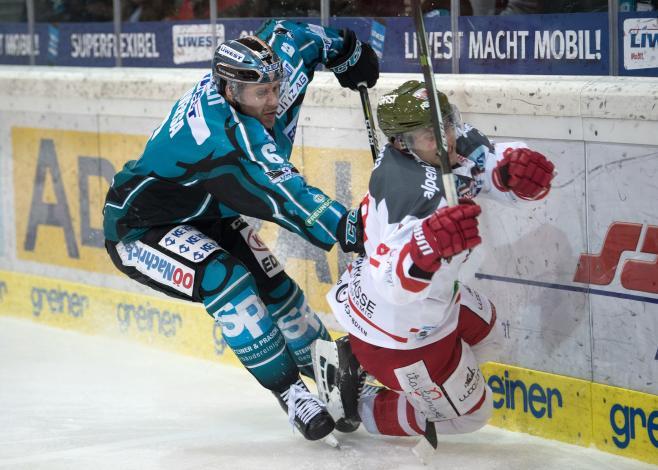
pixel 70 401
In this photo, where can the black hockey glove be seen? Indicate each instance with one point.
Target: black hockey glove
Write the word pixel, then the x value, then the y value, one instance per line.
pixel 356 64
pixel 350 232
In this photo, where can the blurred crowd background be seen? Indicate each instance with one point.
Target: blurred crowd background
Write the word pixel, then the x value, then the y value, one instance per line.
pixel 53 11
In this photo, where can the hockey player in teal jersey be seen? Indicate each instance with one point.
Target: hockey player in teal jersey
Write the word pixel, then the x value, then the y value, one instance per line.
pixel 173 217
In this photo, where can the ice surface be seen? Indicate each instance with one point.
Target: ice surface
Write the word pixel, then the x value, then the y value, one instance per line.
pixel 70 401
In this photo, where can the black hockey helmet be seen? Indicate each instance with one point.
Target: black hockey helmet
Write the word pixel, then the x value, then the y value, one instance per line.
pixel 246 60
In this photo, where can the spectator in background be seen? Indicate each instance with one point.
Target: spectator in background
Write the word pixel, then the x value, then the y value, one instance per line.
pixel 524 7
pixel 516 7
pixel 443 7
pixel 486 7
pixel 375 8
pixel 646 5
pixel 259 8
pixel 82 11
pixel 396 8
pixel 151 10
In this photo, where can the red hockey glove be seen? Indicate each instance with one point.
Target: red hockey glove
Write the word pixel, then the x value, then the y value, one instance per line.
pixel 526 173
pixel 445 233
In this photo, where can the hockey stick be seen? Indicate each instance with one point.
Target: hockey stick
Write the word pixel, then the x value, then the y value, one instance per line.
pixel 370 121
pixel 437 121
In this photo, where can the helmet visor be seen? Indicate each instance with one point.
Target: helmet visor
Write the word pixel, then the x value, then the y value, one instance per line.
pixel 453 119
pixel 258 95
pixel 264 73
pixel 422 140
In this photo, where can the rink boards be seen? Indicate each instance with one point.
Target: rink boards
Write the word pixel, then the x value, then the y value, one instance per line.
pixel 574 277
pixel 575 411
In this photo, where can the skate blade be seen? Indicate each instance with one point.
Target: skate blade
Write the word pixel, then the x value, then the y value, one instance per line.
pixel 424 451
pixel 331 440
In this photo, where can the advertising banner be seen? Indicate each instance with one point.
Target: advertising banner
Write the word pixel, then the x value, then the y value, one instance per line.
pixel 558 44
pixel 638 49
pixel 60 182
pixel 569 44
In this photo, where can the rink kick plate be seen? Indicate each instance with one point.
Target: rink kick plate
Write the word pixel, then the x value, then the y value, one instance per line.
pixel 567 409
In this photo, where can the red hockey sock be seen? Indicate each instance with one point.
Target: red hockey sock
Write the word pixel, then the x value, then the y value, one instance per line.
pixel 389 413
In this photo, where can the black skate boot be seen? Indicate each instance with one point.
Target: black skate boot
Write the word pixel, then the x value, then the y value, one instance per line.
pixel 305 411
pixel 340 379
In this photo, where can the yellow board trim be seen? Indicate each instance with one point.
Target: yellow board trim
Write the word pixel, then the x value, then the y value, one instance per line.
pixel 556 407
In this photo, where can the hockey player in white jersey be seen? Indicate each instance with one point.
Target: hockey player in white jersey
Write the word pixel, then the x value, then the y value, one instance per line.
pixel 411 324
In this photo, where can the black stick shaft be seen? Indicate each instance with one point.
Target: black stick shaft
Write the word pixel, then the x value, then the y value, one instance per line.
pixel 369 120
pixel 437 120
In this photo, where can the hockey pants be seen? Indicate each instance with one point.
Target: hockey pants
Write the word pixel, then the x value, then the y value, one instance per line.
pixel 441 382
pixel 263 314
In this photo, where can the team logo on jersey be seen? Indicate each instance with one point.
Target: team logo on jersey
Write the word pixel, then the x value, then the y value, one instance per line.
pixel 423 332
pixel 472 383
pixel 188 242
pixel 319 198
pixel 315 215
pixel 291 129
pixel 177 122
pixel 423 392
pixel 429 186
pixel 239 224
pixel 341 293
pixel 283 174
pixel 287 99
pixel 289 69
pixel 212 94
pixel 261 252
pixel 288 49
pixel 157 266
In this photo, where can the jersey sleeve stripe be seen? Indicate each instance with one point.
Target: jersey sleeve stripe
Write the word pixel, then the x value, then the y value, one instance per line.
pixel 130 195
pixel 201 209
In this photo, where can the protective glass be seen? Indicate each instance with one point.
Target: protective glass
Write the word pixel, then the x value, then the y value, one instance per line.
pixel 422 140
pixel 259 95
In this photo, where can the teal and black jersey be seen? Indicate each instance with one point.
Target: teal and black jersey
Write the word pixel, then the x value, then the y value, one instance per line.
pixel 208 161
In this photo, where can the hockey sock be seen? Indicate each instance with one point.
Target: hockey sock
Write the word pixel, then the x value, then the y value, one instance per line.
pixel 388 412
pixel 299 325
pixel 247 327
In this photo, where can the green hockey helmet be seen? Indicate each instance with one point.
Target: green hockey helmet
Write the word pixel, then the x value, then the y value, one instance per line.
pixel 407 108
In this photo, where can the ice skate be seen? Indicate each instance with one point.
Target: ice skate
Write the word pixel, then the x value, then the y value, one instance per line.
pixel 305 411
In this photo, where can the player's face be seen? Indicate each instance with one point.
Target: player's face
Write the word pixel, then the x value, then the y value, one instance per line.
pixel 422 142
pixel 260 100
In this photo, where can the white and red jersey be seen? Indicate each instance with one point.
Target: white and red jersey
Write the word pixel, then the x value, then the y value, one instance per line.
pixel 380 298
